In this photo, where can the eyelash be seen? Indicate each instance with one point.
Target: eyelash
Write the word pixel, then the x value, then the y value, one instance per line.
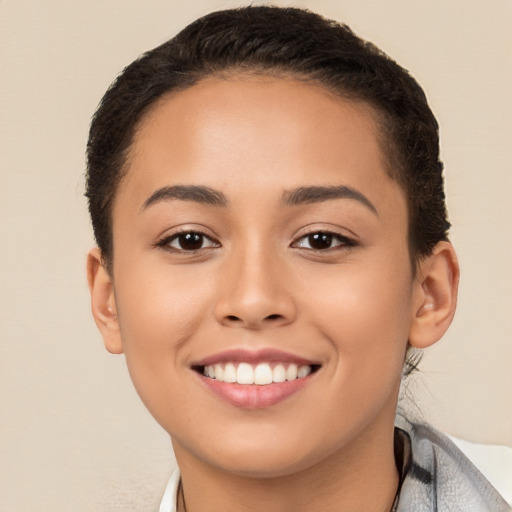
pixel 343 241
pixel 329 236
pixel 165 243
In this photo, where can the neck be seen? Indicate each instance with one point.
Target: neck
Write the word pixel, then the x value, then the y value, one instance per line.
pixel 362 476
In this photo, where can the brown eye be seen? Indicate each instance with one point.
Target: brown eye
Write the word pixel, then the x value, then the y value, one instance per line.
pixel 320 240
pixel 323 240
pixel 188 241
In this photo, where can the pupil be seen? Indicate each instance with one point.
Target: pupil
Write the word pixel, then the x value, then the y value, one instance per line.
pixel 320 240
pixel 191 241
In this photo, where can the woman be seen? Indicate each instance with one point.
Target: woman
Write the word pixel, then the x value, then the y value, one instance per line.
pixel 267 198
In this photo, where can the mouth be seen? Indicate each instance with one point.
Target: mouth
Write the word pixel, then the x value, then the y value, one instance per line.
pixel 260 374
pixel 255 380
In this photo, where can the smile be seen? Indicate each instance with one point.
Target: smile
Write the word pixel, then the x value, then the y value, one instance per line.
pixel 260 374
pixel 255 379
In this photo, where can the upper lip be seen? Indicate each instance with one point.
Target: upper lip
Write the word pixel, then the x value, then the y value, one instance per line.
pixel 240 355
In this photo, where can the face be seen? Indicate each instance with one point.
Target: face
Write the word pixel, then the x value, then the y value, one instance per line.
pixel 259 240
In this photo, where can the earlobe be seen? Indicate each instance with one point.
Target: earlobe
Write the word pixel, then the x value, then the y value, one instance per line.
pixel 435 296
pixel 103 302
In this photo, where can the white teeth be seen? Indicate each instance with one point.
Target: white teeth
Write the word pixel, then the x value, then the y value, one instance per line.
pixel 245 374
pixel 291 372
pixel 230 373
pixel 279 373
pixel 304 371
pixel 261 374
pixel 219 372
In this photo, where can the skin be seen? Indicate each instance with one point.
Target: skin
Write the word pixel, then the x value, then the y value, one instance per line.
pixel 256 283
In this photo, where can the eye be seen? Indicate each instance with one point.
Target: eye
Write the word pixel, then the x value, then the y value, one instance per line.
pixel 188 241
pixel 322 241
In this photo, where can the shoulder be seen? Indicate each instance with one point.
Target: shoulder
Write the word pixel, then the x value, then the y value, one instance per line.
pixel 438 476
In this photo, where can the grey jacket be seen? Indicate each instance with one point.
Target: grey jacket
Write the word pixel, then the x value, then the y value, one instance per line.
pixel 437 476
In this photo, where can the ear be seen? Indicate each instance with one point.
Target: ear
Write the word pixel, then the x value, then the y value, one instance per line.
pixel 103 302
pixel 435 296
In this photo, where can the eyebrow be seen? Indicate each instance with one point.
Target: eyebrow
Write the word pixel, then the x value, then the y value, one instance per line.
pixel 302 195
pixel 308 195
pixel 195 193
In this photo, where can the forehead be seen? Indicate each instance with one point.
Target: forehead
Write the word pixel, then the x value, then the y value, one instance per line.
pixel 261 133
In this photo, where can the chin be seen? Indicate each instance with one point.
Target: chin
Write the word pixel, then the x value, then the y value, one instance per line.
pixel 263 459
pixel 266 467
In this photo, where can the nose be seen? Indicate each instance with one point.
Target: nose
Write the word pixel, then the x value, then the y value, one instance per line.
pixel 254 293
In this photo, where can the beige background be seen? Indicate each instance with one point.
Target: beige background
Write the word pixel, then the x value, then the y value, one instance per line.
pixel 73 435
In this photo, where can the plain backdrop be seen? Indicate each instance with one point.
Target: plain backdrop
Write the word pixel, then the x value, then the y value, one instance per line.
pixel 73 434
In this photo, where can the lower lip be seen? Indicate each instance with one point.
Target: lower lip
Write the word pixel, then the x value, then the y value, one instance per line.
pixel 254 396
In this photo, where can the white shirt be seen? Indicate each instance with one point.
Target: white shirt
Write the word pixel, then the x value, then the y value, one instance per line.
pixel 170 498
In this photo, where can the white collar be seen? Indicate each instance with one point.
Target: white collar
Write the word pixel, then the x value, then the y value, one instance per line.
pixel 170 499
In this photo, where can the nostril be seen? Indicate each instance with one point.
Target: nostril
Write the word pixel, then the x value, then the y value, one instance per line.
pixel 254 321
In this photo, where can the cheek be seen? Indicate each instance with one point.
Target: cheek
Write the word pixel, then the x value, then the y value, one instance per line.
pixel 366 326
pixel 160 310
pixel 365 316
pixel 157 321
pixel 160 305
